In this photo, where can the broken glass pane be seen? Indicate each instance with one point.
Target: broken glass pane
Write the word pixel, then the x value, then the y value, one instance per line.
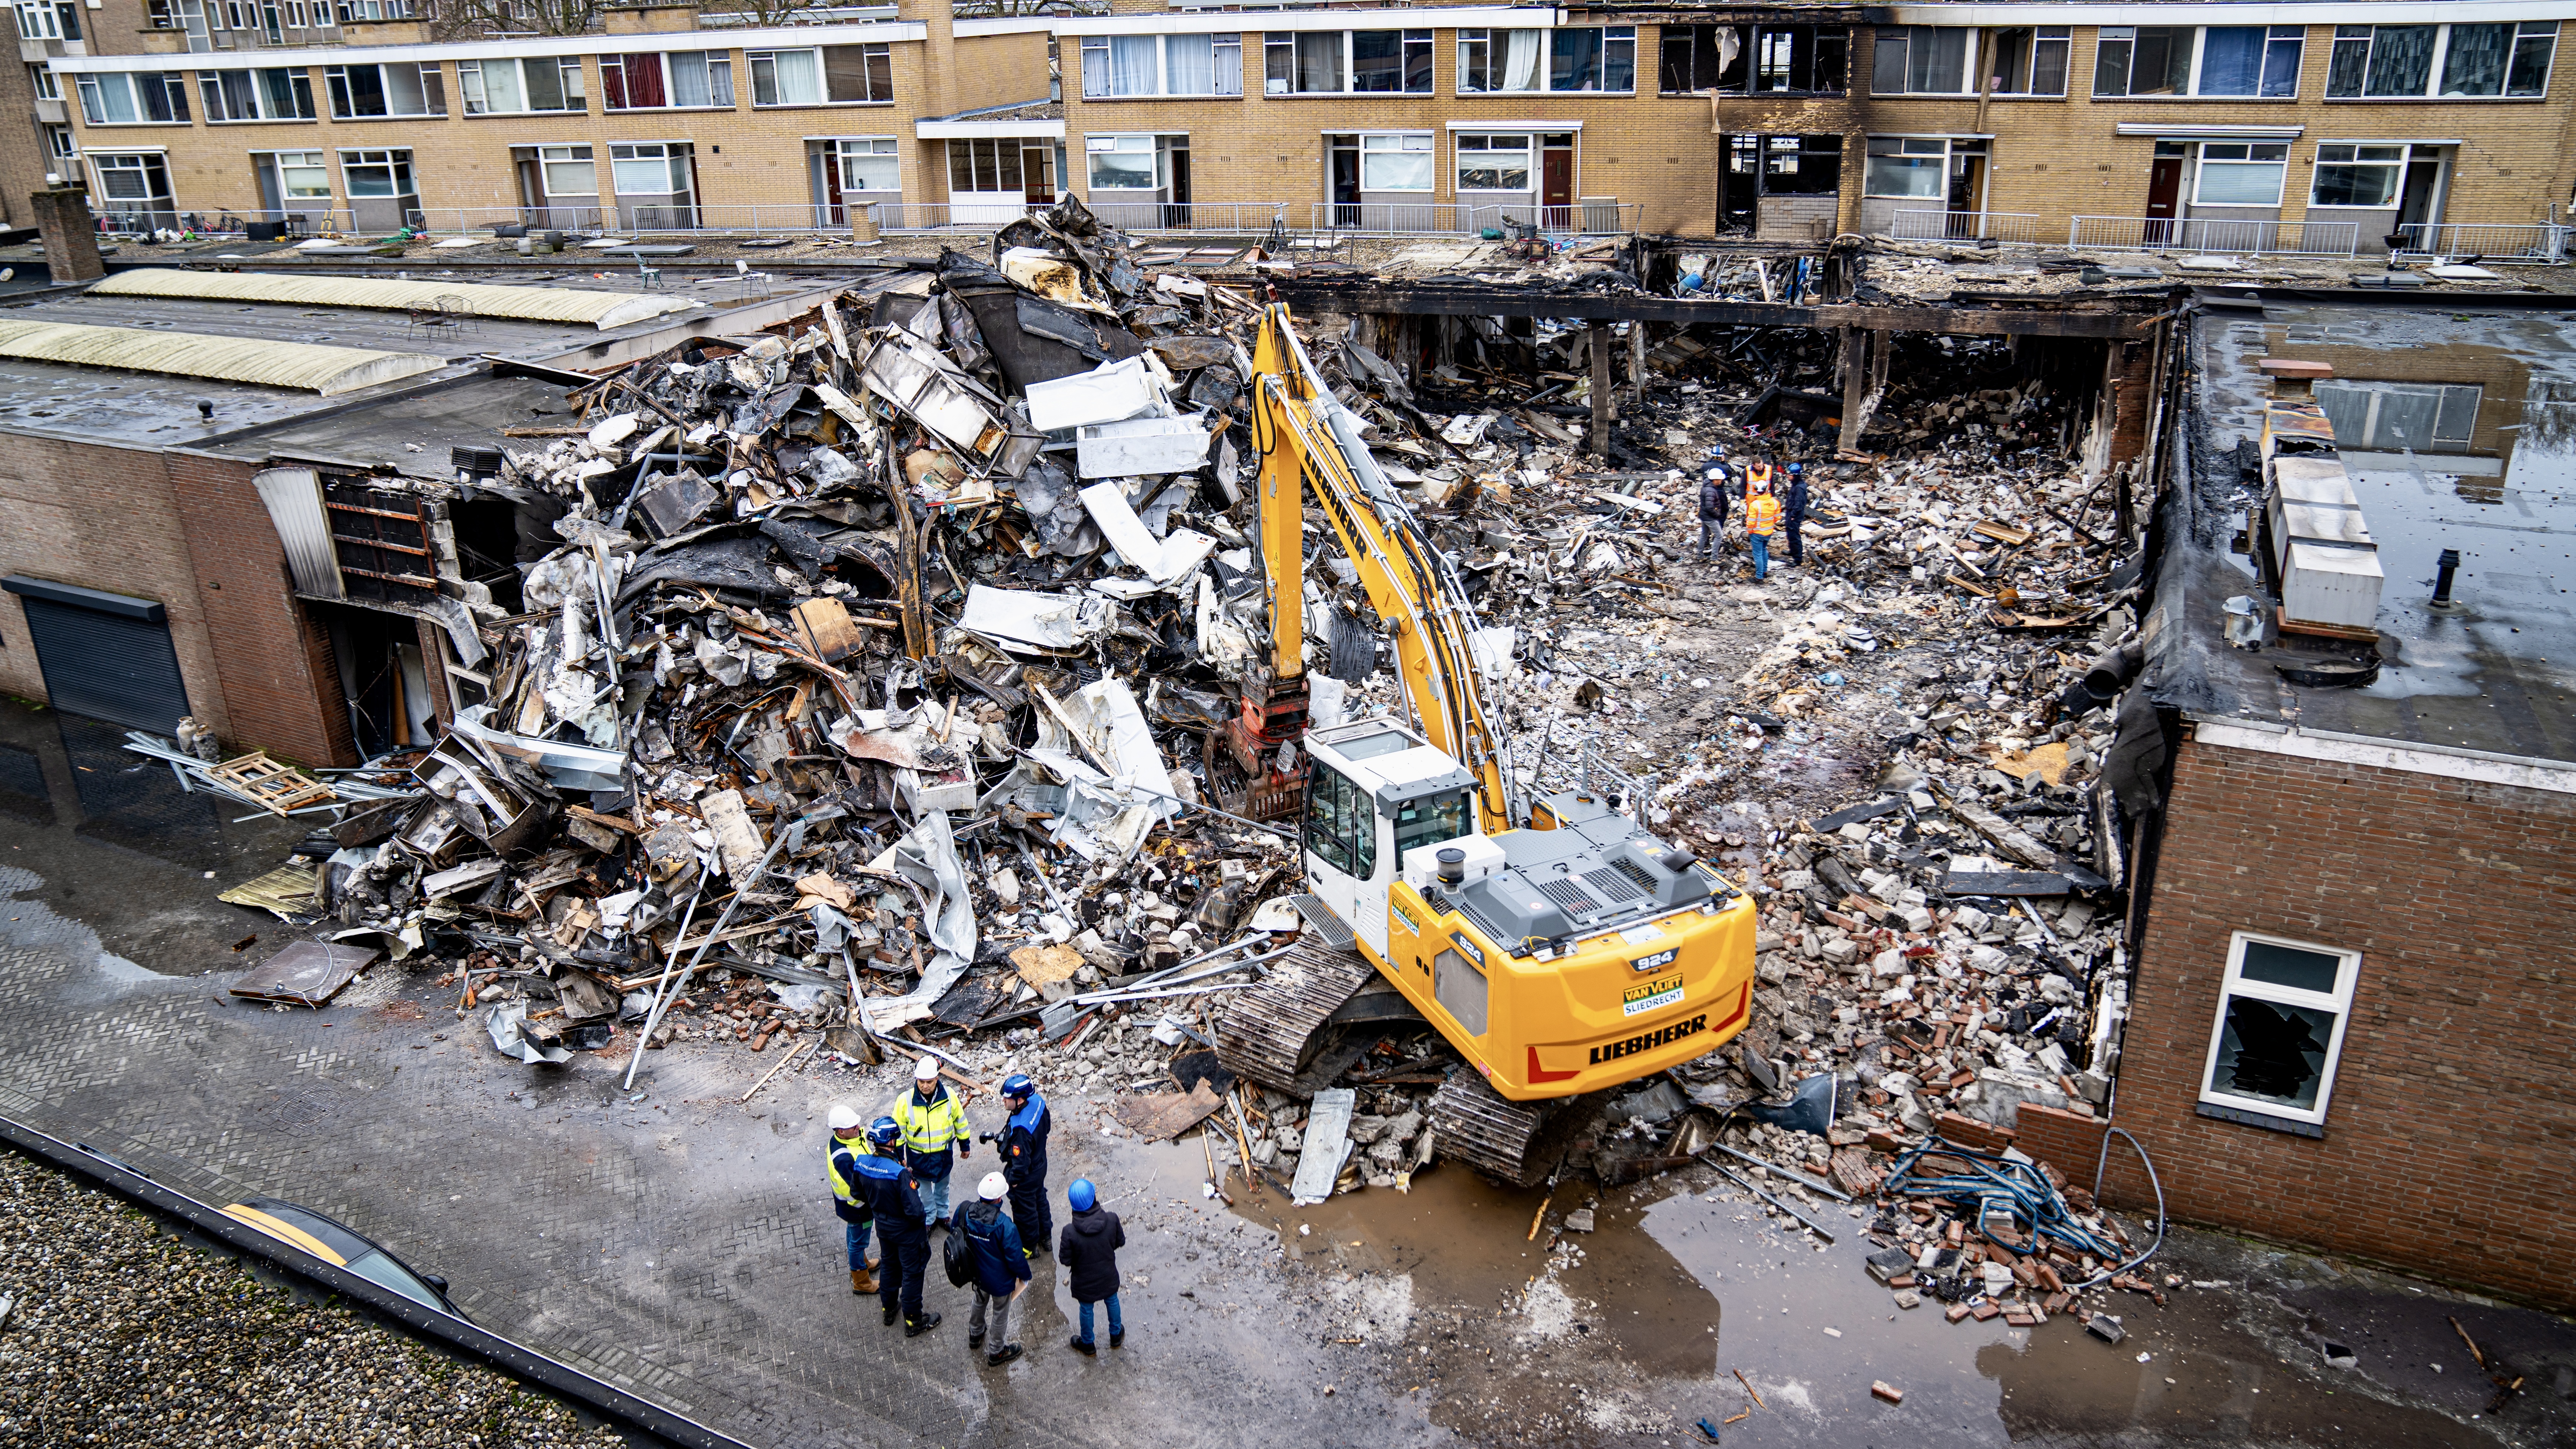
pixel 2272 1053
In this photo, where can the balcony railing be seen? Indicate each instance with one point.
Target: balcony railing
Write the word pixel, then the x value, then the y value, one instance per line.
pixel 2507 244
pixel 1601 217
pixel 2003 227
pixel 2213 235
pixel 942 216
pixel 1215 218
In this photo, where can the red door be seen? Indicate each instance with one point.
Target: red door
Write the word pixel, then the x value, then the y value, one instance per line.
pixel 2164 193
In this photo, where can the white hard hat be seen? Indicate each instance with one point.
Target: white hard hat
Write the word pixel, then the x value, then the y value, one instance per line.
pixel 993 1188
pixel 842 1119
pixel 925 1068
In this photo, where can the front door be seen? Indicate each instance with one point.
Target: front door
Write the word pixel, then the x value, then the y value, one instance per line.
pixel 1037 174
pixel 2419 204
pixel 1176 211
pixel 1345 180
pixel 2164 198
pixel 272 196
pixel 1556 178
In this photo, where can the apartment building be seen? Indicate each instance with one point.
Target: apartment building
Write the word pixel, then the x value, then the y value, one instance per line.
pixel 2322 127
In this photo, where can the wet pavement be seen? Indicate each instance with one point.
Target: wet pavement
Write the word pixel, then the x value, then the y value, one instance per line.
pixel 678 1242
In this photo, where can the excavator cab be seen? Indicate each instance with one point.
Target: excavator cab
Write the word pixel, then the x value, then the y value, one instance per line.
pixel 1375 792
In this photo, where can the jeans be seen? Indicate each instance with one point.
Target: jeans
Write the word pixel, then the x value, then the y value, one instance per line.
pixel 1712 536
pixel 1116 1326
pixel 1001 1307
pixel 1761 543
pixel 934 1199
pixel 858 1236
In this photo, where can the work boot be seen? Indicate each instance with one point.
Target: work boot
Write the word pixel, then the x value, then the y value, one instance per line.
pixel 1007 1353
pixel 863 1280
pixel 1117 1338
pixel 890 1315
pixel 1085 1347
pixel 974 1338
pixel 915 1328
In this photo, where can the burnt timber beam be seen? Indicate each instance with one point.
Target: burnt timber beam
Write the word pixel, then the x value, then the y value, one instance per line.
pixel 1991 321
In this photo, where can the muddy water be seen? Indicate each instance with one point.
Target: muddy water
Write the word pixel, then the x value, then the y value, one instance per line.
pixel 1628 1334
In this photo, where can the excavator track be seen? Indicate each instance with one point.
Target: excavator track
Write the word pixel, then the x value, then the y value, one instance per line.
pixel 1519 1142
pixel 1271 1033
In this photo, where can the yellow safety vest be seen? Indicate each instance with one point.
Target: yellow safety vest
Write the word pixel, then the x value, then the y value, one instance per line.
pixel 1755 474
pixel 842 1188
pixel 1761 513
pixel 933 1126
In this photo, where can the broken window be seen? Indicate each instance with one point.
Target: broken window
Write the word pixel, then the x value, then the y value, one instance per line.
pixel 2281 1013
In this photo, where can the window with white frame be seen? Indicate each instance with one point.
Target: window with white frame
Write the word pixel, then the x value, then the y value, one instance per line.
pixel 2031 60
pixel 1396 161
pixel 273 94
pixel 522 86
pixel 1338 62
pixel 59 143
pixel 868 163
pixel 48 20
pixel 2282 1010
pixel 991 164
pixel 679 80
pixel 2451 62
pixel 1162 65
pixel 147 98
pixel 1118 163
pixel 2357 175
pixel 1908 166
pixel 303 175
pixel 649 168
pixel 363 92
pixel 828 75
pixel 1934 60
pixel 133 178
pixel 1568 58
pixel 2188 60
pixel 568 170
pixel 41 78
pixel 377 173
pixel 1497 162
pixel 2241 173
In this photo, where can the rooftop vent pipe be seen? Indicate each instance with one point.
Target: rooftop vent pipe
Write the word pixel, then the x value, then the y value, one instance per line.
pixel 2449 563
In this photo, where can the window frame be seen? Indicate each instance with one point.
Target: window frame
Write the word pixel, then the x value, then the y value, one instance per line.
pixel 1219 43
pixel 2232 984
pixel 1413 47
pixel 321 162
pixel 1971 56
pixel 1529 150
pixel 1868 154
pixel 212 95
pixel 2026 50
pixel 567 153
pixel 1113 143
pixel 397 164
pixel 616 75
pixel 42 80
pixel 2352 56
pixel 1431 174
pixel 2394 166
pixel 2281 45
pixel 2204 161
pixel 433 91
pixel 171 86
pixel 472 96
pixel 675 157
pixel 1482 38
pixel 842 150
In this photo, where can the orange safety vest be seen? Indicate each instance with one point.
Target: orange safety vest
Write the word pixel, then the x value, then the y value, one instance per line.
pixel 1761 513
pixel 1757 477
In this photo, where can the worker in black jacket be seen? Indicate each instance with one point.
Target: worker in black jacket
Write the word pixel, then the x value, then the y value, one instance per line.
pixel 1714 484
pixel 1794 511
pixel 895 1195
pixel 1024 1161
pixel 1089 1253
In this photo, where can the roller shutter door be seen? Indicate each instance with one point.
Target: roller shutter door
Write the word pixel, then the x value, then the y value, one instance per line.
pixel 106 656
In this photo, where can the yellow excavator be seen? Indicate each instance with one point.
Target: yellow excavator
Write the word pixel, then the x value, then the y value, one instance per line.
pixel 1560 947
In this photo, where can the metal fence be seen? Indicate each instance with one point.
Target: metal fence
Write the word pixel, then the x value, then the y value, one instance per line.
pixel 2214 234
pixel 459 220
pixel 2534 243
pixel 947 216
pixel 1417 218
pixel 1241 218
pixel 2013 227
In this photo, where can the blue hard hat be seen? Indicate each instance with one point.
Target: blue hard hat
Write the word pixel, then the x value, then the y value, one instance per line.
pixel 1082 1194
pixel 1017 1084
pixel 884 1132
pixel 1797 467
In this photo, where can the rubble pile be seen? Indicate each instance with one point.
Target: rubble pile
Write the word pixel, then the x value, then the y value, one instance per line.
pixel 860 688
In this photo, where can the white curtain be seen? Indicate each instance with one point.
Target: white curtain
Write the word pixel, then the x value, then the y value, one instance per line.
pixel 1131 65
pixel 501 90
pixel 800 78
pixel 1192 60
pixel 1521 59
pixel 689 79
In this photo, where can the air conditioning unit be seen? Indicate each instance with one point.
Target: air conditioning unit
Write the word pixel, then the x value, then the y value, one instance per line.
pixel 2322 551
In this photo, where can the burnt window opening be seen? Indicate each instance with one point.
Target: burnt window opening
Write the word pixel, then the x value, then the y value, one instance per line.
pixel 381 538
pixel 487 546
pixel 2281 1014
pixel 1759 166
pixel 1754 59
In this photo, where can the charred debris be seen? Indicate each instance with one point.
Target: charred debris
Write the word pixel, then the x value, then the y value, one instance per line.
pixel 864 692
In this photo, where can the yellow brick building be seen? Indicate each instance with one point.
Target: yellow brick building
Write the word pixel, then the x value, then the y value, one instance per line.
pixel 2323 128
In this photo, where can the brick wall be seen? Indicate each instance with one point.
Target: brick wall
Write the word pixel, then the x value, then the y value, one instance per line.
pixel 280 687
pixel 2450 1137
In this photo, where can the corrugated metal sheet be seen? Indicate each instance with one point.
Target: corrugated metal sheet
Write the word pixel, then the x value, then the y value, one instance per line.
pixel 294 499
pixel 604 310
pixel 305 366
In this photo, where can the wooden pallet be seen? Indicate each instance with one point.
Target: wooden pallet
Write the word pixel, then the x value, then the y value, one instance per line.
pixel 271 786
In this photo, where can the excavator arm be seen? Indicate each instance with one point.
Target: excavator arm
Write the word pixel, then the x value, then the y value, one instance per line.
pixel 1306 438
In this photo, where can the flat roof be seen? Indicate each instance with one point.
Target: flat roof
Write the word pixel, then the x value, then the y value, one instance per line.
pixel 2495 479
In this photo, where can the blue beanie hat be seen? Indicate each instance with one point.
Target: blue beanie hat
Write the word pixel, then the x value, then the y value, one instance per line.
pixel 1082 1194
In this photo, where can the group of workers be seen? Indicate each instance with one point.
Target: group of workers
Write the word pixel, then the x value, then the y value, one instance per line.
pixel 891 1175
pixel 1771 506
